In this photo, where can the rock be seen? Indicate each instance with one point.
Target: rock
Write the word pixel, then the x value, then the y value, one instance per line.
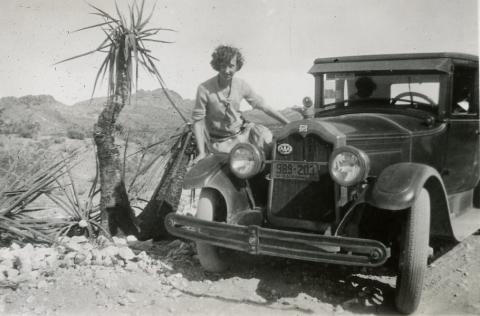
pixel 107 261
pixel 131 266
pixel 109 251
pixel 28 249
pixel 51 261
pixel 74 246
pixel 11 273
pixel 61 249
pixel 96 254
pixel 14 246
pixel 23 262
pixel 71 255
pixel 142 256
pixel 130 298
pixel 126 253
pixel 339 309
pixel 42 284
pixel 103 241
pixel 34 275
pixel 79 258
pixel 119 241
pixel 4 267
pixel 87 246
pixel 78 239
pixel 7 257
pixel 131 238
pixel 39 310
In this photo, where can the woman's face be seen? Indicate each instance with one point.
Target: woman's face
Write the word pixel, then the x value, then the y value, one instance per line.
pixel 228 70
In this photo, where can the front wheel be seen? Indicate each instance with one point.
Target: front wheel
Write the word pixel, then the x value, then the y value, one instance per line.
pixel 210 204
pixel 413 255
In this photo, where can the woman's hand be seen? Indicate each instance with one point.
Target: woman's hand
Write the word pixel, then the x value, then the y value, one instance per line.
pixel 198 158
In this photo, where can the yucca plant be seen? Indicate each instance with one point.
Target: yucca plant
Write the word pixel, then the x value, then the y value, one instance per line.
pixel 19 221
pixel 126 52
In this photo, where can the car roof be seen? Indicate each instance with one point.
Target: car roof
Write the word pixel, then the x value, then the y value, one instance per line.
pixel 413 61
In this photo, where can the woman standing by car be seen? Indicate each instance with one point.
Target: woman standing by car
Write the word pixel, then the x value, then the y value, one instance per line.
pixel 217 121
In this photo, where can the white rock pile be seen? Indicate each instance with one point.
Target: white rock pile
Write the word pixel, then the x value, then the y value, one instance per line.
pixel 18 264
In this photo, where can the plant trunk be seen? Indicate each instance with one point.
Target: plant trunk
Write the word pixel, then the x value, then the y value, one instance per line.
pixel 116 212
pixel 166 196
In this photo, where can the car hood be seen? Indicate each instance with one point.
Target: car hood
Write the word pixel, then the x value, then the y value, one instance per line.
pixel 375 125
pixel 385 137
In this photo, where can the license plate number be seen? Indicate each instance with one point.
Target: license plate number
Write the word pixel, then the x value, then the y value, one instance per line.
pixel 296 170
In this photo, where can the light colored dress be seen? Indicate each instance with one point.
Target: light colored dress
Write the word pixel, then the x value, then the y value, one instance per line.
pixel 225 126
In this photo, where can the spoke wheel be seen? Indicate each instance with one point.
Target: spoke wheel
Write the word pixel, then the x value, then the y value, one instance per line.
pixel 413 255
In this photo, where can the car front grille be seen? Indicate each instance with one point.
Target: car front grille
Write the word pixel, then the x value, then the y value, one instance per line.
pixel 304 199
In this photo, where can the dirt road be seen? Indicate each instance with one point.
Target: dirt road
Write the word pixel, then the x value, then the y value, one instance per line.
pixel 175 284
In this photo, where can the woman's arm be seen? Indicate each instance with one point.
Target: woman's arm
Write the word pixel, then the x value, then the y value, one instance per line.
pixel 199 132
pixel 198 117
pixel 273 113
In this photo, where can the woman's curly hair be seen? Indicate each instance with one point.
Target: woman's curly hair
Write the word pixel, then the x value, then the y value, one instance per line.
pixel 223 54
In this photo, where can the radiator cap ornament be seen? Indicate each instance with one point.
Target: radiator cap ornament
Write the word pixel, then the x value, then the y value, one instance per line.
pixel 284 149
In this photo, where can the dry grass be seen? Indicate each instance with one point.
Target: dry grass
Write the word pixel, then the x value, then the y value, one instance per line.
pixel 41 200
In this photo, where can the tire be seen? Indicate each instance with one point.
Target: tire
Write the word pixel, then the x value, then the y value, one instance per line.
pixel 476 196
pixel 413 255
pixel 211 258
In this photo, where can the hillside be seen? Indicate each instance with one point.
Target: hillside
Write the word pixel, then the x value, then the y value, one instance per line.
pixel 149 111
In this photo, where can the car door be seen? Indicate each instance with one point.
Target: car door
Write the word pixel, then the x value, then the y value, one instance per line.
pixel 462 170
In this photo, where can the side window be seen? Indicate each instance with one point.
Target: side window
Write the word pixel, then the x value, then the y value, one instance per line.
pixel 464 101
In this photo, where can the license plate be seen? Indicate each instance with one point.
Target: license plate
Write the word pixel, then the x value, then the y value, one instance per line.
pixel 296 170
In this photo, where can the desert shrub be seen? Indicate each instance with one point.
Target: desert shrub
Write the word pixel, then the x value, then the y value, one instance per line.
pixel 27 129
pixel 75 133
pixel 17 158
pixel 59 140
pixel 24 128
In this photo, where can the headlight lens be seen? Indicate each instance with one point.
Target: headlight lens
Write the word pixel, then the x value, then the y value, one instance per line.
pixel 246 160
pixel 349 165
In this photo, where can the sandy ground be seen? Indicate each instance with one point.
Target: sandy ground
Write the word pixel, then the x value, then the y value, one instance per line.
pixel 176 285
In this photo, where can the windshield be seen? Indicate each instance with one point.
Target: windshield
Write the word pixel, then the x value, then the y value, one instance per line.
pixel 390 89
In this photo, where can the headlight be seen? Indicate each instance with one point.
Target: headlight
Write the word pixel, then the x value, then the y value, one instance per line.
pixel 246 160
pixel 348 165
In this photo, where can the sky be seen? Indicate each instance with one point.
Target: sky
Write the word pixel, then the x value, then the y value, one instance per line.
pixel 278 38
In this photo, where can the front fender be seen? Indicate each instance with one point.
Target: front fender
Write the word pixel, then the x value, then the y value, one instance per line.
pixel 398 185
pixel 214 172
pixel 204 170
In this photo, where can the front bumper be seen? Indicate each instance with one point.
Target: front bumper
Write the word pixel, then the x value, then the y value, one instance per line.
pixel 279 243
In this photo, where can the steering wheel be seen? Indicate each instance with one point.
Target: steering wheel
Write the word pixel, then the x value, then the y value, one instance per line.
pixel 411 94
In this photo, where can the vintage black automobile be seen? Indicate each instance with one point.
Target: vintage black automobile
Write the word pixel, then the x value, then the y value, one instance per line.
pixel 385 160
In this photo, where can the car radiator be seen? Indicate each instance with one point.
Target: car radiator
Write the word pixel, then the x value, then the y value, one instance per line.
pixel 303 199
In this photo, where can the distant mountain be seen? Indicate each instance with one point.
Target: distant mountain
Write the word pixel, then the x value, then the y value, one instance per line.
pixel 148 111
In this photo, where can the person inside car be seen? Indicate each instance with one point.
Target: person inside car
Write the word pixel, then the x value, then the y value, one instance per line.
pixel 218 124
pixel 365 87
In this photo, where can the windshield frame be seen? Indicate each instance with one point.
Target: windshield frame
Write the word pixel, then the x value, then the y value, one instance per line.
pixel 439 110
